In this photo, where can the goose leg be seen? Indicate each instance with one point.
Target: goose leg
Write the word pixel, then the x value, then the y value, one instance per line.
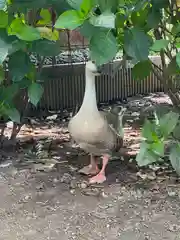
pixel 91 169
pixel 101 177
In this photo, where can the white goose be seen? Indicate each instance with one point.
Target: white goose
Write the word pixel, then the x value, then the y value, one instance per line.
pixel 96 132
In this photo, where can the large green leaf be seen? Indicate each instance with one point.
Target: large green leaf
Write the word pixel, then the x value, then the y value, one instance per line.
pixel 2 74
pixel 137 72
pixel 160 3
pixel 46 48
pixel 76 4
pixel 139 18
pixel 178 58
pixel 88 30
pixel 145 156
pixel 3 19
pixel 158 148
pixel 86 6
pixel 103 47
pixel 154 18
pixel 19 65
pixel 60 6
pixel 149 131
pixel 8 93
pixel 23 31
pixel 173 67
pixel 13 114
pixel 159 45
pixel 136 44
pixel 17 45
pixel 35 92
pixel 24 5
pixel 70 19
pixel 108 5
pixel 175 158
pixel 168 122
pixel 45 16
pixel 5 44
pixel 120 20
pixel 106 20
pixel 4 47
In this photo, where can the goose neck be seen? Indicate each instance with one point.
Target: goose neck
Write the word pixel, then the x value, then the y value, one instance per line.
pixel 89 102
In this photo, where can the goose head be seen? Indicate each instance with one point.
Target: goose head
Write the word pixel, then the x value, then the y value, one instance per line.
pixel 92 68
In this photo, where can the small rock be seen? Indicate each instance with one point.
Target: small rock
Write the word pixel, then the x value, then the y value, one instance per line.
pixel 41 187
pixel 73 184
pixel 171 194
pixel 173 228
pixel 9 124
pixel 53 117
pixel 66 178
pixel 83 185
pixel 104 195
pixel 151 176
pixel 55 180
pixel 135 114
pixel 72 191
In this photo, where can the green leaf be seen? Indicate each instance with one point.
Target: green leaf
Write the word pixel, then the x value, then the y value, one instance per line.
pixel 45 17
pixel 13 114
pixel 120 20
pixel 3 19
pixel 2 74
pixel 23 31
pixel 145 156
pixel 23 6
pixel 137 72
pixel 108 5
pixel 154 18
pixel 159 45
pixel 76 4
pixel 46 48
pixel 86 6
pixel 24 83
pixel 158 148
pixel 103 47
pixel 178 59
pixel 35 92
pixel 149 131
pixel 136 44
pixel 139 17
pixel 88 30
pixel 106 20
pixel 70 19
pixel 19 65
pixel 5 44
pixel 168 122
pixel 8 93
pixel 175 158
pixel 160 3
pixel 49 33
pixel 173 67
pixel 16 46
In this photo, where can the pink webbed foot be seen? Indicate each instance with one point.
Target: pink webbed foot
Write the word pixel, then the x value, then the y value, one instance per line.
pixel 99 178
pixel 89 170
pixel 92 168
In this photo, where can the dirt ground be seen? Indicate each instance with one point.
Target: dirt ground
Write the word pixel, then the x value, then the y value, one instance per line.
pixel 44 197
